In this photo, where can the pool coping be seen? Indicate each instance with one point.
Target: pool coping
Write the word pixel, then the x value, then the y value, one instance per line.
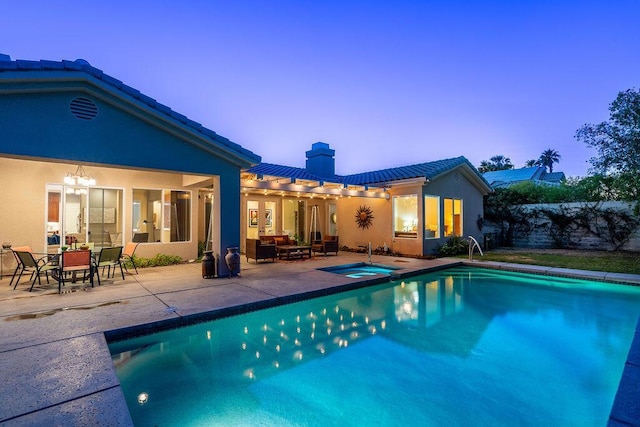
pixel 601 276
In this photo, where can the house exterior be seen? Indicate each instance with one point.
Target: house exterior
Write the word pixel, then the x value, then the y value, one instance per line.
pixel 536 174
pixel 410 209
pixel 86 158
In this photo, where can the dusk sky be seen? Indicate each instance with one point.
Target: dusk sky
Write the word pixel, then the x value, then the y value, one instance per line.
pixel 384 83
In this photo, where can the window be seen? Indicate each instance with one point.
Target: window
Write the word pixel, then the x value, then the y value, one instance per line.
pixel 431 217
pixel 161 215
pixel 293 218
pixel 405 216
pixel 452 217
pixel 146 215
pixel 180 216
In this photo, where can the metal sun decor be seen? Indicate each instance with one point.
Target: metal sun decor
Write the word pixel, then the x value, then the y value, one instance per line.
pixel 364 217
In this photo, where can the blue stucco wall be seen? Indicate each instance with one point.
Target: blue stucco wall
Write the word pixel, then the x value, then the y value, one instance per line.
pixel 42 125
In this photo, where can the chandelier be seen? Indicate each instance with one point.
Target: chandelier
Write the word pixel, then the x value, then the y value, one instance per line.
pixel 79 177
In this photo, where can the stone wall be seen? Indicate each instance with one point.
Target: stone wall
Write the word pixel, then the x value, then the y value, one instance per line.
pixel 539 236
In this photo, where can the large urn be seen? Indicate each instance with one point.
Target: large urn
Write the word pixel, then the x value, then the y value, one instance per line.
pixel 232 258
pixel 208 265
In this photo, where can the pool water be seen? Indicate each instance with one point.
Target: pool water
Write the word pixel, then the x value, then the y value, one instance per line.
pixel 455 347
pixel 361 269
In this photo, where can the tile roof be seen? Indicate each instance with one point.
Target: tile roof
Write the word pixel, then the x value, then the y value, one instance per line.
pixel 429 170
pixel 288 172
pixel 80 65
pixel 554 177
pixel 505 178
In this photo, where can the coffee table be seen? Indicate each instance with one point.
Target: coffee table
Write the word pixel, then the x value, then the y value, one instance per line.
pixel 294 252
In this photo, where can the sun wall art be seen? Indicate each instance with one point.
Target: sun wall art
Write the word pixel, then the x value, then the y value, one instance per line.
pixel 364 217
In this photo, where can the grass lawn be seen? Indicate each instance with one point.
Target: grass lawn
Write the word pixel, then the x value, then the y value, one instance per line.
pixel 613 262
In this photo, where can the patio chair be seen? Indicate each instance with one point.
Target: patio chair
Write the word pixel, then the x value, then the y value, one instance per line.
pixel 110 257
pixel 127 255
pixel 29 264
pixel 18 263
pixel 327 244
pixel 74 262
pixel 140 237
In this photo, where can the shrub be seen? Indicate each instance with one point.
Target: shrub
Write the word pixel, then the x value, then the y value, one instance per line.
pixel 159 260
pixel 454 246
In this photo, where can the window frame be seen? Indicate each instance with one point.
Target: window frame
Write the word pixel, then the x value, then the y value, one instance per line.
pixel 407 221
pixel 429 233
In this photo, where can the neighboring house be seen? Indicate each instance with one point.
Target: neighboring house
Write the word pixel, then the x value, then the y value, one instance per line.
pixel 415 208
pixel 536 174
pixel 152 174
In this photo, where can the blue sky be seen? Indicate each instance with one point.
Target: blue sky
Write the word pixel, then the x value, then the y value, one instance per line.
pixel 384 83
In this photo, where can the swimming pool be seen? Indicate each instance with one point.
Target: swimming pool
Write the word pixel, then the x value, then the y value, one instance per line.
pixel 461 346
pixel 360 269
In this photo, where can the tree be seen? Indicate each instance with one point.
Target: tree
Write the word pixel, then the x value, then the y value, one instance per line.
pixel 531 163
pixel 548 158
pixel 496 163
pixel 617 142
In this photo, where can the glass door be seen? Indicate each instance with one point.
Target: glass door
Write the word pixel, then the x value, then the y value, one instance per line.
pixel 104 222
pixel 73 230
pixel 293 219
pixel 54 217
pixel 252 219
pixel 81 215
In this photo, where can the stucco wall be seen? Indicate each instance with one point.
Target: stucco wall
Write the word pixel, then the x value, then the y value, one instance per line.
pixel 380 230
pixel 118 135
pixel 24 195
pixel 456 185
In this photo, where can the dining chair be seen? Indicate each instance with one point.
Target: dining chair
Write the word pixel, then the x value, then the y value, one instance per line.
pixel 19 265
pixel 74 262
pixel 29 264
pixel 127 255
pixel 110 257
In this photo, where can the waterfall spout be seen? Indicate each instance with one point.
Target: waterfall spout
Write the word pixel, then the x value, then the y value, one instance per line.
pixel 473 243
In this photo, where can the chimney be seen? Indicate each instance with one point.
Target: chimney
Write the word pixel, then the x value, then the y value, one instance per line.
pixel 320 160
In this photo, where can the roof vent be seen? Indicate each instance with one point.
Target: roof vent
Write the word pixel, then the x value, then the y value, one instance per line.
pixel 82 61
pixel 83 108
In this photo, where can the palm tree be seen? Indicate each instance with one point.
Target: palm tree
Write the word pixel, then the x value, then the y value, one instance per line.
pixel 531 163
pixel 495 163
pixel 548 158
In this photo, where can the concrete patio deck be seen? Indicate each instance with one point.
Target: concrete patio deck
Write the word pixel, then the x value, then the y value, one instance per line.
pixel 55 365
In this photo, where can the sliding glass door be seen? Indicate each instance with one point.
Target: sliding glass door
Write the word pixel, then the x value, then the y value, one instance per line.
pixel 79 215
